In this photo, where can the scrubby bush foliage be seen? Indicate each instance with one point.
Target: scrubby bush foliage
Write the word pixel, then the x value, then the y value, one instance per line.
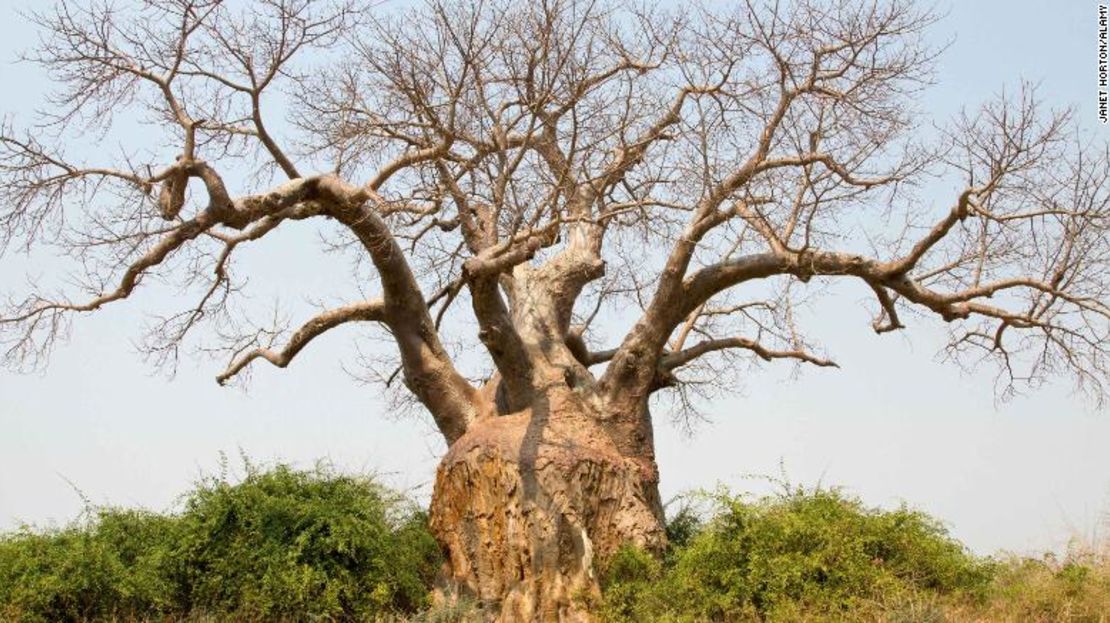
pixel 289 545
pixel 800 555
pixel 822 556
pixel 281 544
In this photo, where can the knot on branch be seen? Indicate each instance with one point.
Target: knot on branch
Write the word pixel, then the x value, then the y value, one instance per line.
pixel 952 313
pixel 804 268
pixel 501 260
pixel 881 326
pixel 663 379
pixel 964 205
pixel 172 196
pixel 491 337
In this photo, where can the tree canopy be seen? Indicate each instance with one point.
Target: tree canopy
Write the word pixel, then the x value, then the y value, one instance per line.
pixel 546 163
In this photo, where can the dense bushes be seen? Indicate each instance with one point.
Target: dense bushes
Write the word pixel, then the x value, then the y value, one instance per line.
pixel 818 555
pixel 816 552
pixel 288 545
pixel 302 545
pixel 115 564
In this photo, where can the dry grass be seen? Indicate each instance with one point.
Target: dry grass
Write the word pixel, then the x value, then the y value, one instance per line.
pixel 1074 589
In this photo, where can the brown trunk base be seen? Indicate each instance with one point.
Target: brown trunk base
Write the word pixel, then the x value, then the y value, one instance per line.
pixel 525 506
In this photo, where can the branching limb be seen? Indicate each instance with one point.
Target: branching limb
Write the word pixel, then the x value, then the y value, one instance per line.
pixel 365 311
pixel 674 360
pixel 888 312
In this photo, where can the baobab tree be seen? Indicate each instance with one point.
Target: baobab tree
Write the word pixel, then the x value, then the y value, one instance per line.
pixel 506 173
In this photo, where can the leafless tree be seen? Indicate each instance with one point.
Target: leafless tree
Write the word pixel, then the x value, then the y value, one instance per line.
pixel 536 166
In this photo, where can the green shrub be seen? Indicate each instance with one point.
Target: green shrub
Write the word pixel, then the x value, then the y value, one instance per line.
pixel 683 526
pixel 808 553
pixel 111 565
pixel 281 544
pixel 289 545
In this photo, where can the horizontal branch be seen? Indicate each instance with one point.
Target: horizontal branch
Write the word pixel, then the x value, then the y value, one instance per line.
pixel 685 356
pixel 364 311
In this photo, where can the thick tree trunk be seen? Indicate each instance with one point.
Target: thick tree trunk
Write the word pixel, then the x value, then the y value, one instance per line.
pixel 526 505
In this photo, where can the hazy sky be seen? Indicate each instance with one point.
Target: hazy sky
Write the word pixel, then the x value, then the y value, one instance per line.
pixel 893 424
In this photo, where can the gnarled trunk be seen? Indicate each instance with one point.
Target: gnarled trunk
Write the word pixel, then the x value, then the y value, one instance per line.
pixel 527 504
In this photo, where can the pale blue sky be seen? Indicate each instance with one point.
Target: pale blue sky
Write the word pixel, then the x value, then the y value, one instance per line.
pixel 893 424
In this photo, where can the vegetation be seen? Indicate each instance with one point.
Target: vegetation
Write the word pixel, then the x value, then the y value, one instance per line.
pixel 285 544
pixel 304 545
pixel 819 555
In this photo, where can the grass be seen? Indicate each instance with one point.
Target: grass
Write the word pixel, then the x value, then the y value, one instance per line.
pixel 314 545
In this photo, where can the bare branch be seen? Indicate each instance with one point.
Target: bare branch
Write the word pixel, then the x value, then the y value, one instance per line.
pixel 365 311
pixel 682 357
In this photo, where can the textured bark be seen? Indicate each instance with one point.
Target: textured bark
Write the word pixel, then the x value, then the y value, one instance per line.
pixel 527 504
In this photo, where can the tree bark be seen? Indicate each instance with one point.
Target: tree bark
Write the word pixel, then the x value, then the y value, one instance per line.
pixel 527 505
